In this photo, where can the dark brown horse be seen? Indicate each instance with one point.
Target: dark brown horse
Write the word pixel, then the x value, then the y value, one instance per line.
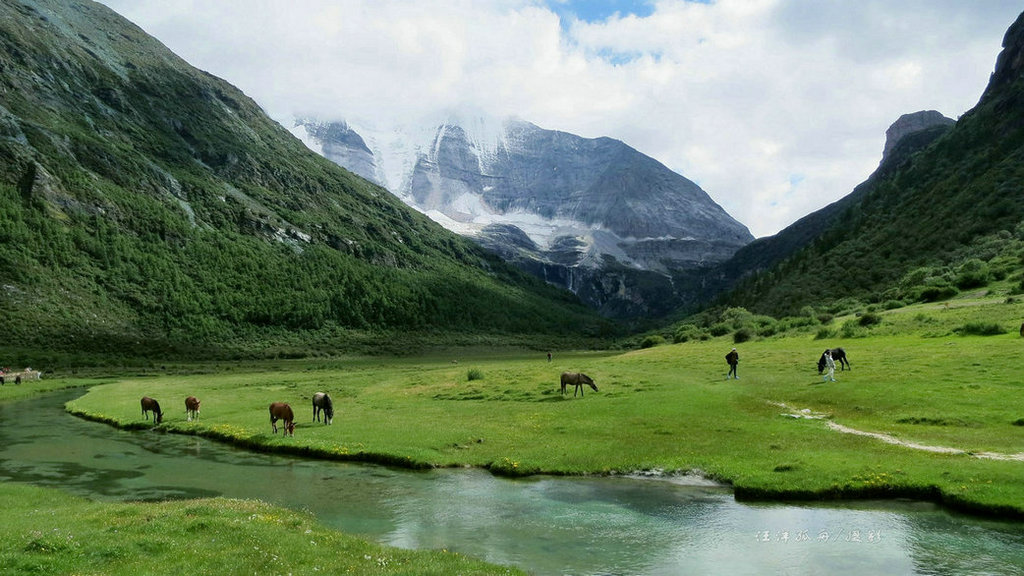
pixel 283 412
pixel 192 408
pixel 322 401
pixel 838 356
pixel 150 405
pixel 577 379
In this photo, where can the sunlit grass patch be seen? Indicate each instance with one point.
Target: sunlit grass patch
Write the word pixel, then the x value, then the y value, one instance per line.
pixel 212 536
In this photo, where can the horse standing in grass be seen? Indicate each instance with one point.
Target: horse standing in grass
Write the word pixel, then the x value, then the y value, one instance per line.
pixel 577 379
pixel 283 412
pixel 322 401
pixel 838 355
pixel 192 408
pixel 150 405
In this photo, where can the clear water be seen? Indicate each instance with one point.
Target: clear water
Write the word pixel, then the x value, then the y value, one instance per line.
pixel 544 525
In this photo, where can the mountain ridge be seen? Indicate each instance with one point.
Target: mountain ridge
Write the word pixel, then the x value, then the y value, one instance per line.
pixel 148 205
pixel 624 215
pixel 938 190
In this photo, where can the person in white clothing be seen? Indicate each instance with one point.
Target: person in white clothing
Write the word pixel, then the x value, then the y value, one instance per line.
pixel 830 367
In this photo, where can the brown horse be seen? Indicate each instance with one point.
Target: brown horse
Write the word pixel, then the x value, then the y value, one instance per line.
pixel 192 408
pixel 283 412
pixel 577 379
pixel 322 401
pixel 150 405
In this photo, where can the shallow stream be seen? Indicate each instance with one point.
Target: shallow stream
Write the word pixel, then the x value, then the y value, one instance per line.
pixel 544 525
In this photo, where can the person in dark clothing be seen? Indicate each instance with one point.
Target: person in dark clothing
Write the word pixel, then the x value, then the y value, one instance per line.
pixel 733 358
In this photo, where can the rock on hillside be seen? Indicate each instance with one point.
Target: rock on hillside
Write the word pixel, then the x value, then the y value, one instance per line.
pixel 909 124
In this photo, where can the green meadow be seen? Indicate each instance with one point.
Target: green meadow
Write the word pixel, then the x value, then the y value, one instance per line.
pixel 210 536
pixel 946 407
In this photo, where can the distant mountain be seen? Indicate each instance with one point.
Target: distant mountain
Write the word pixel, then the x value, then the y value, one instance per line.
pixel 940 186
pixel 593 215
pixel 909 134
pixel 147 206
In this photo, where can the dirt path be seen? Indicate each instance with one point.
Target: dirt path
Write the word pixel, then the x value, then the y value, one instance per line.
pixel 806 413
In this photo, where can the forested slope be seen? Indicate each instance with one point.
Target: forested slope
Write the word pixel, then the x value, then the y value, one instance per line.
pixel 148 206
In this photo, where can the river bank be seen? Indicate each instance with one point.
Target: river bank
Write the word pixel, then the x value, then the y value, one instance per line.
pixel 543 524
pixel 667 408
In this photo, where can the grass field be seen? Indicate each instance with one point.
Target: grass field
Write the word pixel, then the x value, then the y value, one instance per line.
pixel 210 536
pixel 668 408
pixel 950 407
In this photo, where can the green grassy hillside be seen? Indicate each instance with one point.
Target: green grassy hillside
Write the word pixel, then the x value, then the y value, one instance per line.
pixel 149 208
pixel 923 209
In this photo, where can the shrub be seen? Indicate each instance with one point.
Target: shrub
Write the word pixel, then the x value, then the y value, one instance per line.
pixel 844 306
pixel 687 332
pixel 720 329
pixel 474 374
pixel 915 277
pixel 980 329
pixel 852 329
pixel 972 274
pixel 824 334
pixel 736 317
pixel 937 293
pixel 652 341
pixel 1001 267
pixel 765 325
pixel 869 319
pixel 797 322
pixel 742 335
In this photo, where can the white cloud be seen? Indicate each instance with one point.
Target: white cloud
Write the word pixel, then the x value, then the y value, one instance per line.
pixel 775 107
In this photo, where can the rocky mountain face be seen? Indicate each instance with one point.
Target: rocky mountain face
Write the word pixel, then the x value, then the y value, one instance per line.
pixel 909 124
pixel 592 215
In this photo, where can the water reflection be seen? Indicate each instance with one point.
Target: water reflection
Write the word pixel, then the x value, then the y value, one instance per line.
pixel 544 525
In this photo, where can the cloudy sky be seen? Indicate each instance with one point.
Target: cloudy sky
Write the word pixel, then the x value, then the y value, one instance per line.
pixel 775 107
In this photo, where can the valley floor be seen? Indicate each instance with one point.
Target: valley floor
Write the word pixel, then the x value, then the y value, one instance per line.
pixel 924 413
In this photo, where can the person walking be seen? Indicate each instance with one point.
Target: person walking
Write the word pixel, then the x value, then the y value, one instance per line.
pixel 733 358
pixel 830 367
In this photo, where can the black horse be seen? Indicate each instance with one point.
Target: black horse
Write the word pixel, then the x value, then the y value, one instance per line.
pixel 838 355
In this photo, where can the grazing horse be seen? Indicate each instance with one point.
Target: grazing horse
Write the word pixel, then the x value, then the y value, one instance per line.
pixel 322 401
pixel 577 379
pixel 150 405
pixel 192 408
pixel 838 355
pixel 283 412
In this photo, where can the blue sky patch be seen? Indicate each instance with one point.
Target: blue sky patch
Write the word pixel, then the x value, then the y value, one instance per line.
pixel 599 10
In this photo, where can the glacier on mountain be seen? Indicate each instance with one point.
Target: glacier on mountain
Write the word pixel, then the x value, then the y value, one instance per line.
pixel 549 201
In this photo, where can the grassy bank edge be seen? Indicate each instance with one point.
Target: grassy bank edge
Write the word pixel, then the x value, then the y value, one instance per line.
pixel 207 535
pixel 81 535
pixel 742 492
